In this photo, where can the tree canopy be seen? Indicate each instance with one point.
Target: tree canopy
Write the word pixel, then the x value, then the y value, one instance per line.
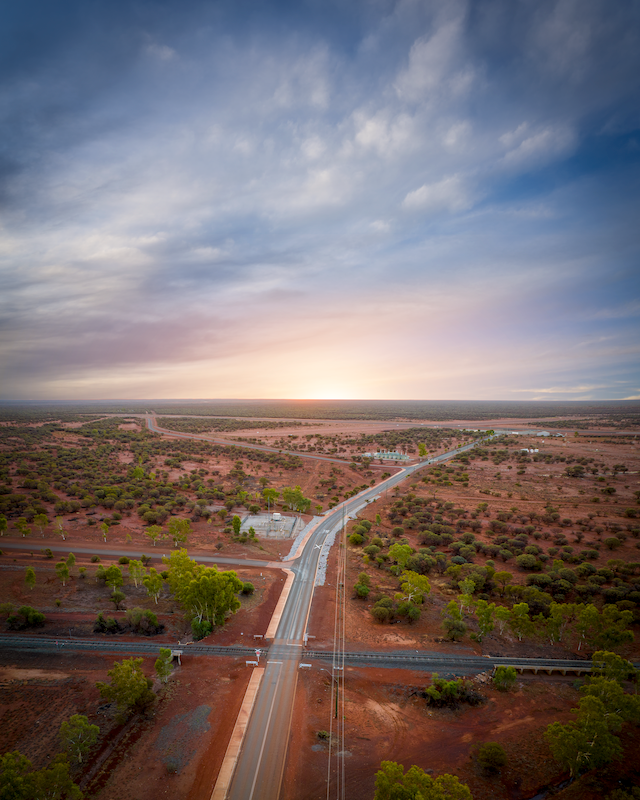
pixel 392 783
pixel 206 594
pixel 129 688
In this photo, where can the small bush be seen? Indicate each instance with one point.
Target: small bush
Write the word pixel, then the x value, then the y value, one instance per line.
pixel 443 693
pixel 361 591
pixel 248 588
pixel 504 678
pixel 25 617
pixel 200 629
pixel 492 757
pixel 123 560
pixel 143 621
pixel 106 624
pixel 95 559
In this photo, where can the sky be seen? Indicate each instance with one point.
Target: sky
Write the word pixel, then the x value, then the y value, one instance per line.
pixel 411 199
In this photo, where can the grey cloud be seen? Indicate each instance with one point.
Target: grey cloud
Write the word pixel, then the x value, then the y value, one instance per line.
pixel 220 162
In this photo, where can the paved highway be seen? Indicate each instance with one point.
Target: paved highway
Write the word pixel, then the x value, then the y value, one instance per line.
pixel 260 766
pixel 261 763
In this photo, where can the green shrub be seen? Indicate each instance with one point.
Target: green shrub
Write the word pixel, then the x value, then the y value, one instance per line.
pixel 25 617
pixel 492 757
pixel 361 590
pixel 200 629
pixel 143 621
pixel 106 624
pixel 504 678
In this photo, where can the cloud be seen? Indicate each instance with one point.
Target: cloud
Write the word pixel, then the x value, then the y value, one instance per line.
pixel 232 185
pixel 526 146
pixel 563 389
pixel 449 194
pixel 433 65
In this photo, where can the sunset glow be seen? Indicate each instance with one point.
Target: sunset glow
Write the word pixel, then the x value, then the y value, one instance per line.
pixel 420 200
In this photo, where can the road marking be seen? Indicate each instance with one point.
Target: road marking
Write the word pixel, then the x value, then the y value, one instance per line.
pixel 237 737
pixel 264 740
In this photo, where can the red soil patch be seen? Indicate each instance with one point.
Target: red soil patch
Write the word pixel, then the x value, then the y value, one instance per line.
pixel 386 720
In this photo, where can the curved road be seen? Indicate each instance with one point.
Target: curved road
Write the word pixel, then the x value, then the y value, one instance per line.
pixel 153 426
pixel 258 772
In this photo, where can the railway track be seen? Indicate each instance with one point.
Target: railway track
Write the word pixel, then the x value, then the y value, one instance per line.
pixel 429 662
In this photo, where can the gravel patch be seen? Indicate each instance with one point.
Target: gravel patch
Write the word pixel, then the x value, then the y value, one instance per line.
pixel 177 741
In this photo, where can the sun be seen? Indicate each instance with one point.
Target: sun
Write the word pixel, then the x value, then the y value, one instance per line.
pixel 328 392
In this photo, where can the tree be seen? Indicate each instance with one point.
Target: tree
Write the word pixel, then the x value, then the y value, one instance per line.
pixel 16 782
pixel 392 783
pixel 164 664
pixel 607 630
pixel 62 571
pixel 71 560
pixel 613 630
pixel 484 613
pixel 400 553
pixel 502 615
pixel 78 736
pixel 19 782
pixel 585 744
pixel 179 530
pixel 117 598
pixel 59 528
pixel 503 578
pixel 3 525
pixel 467 586
pixel 41 521
pixel 153 532
pixel 236 522
pixel 206 594
pixel 137 571
pixel 453 622
pixel 271 496
pixel 519 622
pixel 153 584
pixel 54 782
pixel 113 577
pixel 105 529
pixel 422 449
pixel 210 595
pixel 129 688
pixel 295 499
pixel 23 527
pixel 612 666
pixel 30 577
pixel 415 586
